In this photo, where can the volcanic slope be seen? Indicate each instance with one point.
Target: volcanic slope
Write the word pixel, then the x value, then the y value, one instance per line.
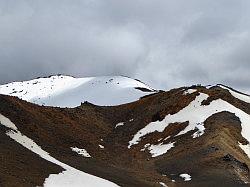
pixel 190 136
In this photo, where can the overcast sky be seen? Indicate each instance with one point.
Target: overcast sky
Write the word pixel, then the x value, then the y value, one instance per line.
pixel 164 43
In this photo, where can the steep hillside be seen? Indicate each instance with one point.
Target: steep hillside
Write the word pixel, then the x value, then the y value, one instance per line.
pixel 67 91
pixel 196 136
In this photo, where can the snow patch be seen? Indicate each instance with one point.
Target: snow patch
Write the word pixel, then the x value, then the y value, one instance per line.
pixel 160 149
pixel 162 184
pixel 101 146
pixel 189 91
pixel 159 139
pixel 167 137
pixel 119 124
pixel 82 152
pixel 185 176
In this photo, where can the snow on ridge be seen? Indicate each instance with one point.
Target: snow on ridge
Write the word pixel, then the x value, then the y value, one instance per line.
pixel 67 91
pixel 70 177
pixel 82 151
pixel 238 95
pixel 196 114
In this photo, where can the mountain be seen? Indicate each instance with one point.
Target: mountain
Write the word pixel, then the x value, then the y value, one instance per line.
pixel 188 136
pixel 67 91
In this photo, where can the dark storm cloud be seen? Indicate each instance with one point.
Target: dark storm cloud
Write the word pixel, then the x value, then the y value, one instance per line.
pixel 164 43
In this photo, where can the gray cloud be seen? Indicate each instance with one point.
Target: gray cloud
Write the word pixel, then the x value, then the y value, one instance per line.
pixel 164 43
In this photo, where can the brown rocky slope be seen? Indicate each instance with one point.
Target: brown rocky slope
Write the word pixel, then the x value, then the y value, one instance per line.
pixel 214 158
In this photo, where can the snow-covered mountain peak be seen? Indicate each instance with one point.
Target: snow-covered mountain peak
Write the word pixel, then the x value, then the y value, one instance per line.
pixel 68 91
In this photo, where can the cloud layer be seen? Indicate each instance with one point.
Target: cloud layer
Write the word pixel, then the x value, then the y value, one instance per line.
pixel 162 42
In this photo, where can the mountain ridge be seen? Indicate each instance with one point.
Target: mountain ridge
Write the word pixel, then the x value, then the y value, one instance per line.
pixel 213 152
pixel 142 87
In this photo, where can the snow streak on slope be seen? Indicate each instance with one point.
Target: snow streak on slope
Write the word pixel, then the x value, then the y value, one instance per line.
pixel 196 114
pixel 66 91
pixel 163 184
pixel 71 177
pixel 119 124
pixel 240 96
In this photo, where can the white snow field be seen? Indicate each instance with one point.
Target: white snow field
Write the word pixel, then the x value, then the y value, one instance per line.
pixel 71 177
pixel 196 114
pixel 67 91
